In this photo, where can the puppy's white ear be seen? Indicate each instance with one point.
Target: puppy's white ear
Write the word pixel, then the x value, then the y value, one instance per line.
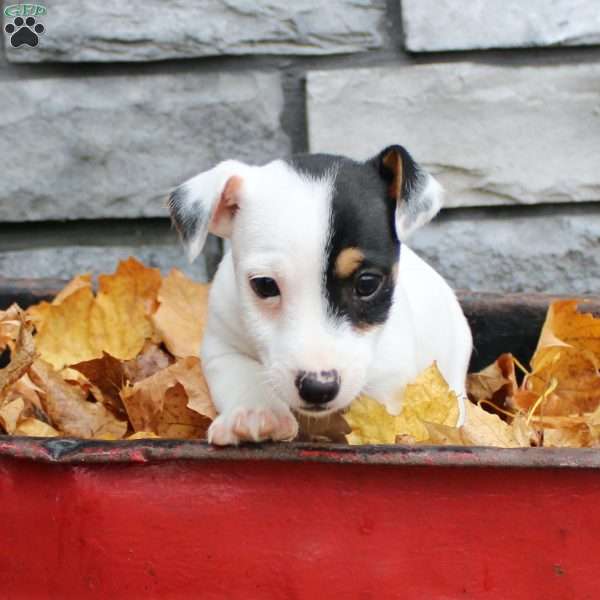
pixel 207 203
pixel 417 194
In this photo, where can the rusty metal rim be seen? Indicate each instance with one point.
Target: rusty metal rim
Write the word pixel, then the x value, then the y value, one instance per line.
pixel 77 452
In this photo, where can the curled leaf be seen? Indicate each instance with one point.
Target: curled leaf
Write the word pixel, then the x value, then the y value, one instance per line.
pixel 69 410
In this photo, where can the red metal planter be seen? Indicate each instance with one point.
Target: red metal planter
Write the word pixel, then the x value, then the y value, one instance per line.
pixel 179 519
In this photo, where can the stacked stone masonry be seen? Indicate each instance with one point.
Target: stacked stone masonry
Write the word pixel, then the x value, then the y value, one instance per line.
pixel 157 92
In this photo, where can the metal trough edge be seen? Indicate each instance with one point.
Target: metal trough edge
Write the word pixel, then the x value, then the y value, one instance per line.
pixel 68 451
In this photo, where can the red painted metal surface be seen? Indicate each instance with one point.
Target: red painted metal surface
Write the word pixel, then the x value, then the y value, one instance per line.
pixel 179 519
pixel 182 520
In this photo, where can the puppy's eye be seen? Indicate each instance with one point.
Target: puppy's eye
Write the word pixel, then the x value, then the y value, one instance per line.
pixel 264 287
pixel 367 285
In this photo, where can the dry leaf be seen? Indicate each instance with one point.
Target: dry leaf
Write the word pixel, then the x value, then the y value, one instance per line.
pixel 35 428
pixel 10 325
pixel 107 374
pixel 10 414
pixel 63 333
pixel 173 402
pixel 119 318
pixel 24 388
pixel 370 422
pixel 497 383
pixel 565 375
pixel 444 435
pixel 38 313
pixel 22 356
pixel 142 435
pixel 69 410
pixel 181 316
pixel 330 428
pixel 565 324
pixel 151 360
pixel 429 399
pixel 482 428
pixel 74 377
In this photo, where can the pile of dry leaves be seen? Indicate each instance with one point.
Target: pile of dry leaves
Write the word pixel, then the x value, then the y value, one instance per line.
pixel 117 363
pixel 121 362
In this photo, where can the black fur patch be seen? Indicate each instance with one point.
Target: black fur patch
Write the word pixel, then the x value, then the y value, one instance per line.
pixel 186 221
pixel 362 217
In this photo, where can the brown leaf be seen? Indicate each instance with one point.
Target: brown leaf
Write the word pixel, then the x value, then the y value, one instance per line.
pixel 108 375
pixel 568 379
pixel 10 414
pixel 69 410
pixel 495 384
pixel 331 428
pixel 10 325
pixel 570 327
pixel 25 388
pixel 151 360
pixel 181 316
pixel 565 375
pixel 174 402
pixel 22 356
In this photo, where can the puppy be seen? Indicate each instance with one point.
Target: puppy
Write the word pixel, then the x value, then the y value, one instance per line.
pixel 318 300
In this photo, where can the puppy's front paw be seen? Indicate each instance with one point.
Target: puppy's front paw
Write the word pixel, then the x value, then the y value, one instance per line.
pixel 253 424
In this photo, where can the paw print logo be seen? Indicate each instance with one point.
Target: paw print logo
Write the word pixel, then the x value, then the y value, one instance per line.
pixel 24 32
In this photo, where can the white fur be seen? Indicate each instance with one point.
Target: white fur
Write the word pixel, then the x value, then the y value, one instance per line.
pixel 253 348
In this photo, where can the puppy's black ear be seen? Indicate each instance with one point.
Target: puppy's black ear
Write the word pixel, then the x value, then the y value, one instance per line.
pixel 207 203
pixel 418 196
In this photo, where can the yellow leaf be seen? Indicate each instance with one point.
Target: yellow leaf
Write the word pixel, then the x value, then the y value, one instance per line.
pixel 119 318
pixel 370 423
pixel 63 333
pixel 444 435
pixel 35 428
pixel 482 428
pixel 142 435
pixel 181 316
pixel 429 399
pixel 38 313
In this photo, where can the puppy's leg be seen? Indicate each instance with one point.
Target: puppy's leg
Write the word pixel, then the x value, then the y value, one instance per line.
pixel 248 409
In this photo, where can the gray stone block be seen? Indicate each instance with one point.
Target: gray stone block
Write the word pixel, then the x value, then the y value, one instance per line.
pixel 434 25
pixel 66 261
pixel 492 135
pixel 549 252
pixel 139 30
pixel 114 146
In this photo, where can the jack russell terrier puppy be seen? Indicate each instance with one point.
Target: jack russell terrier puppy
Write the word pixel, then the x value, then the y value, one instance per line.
pixel 318 300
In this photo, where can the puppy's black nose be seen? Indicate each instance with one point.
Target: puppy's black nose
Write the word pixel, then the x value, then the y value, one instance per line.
pixel 318 387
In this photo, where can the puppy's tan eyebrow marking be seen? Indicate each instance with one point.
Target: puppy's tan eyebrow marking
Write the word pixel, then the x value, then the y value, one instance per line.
pixel 347 261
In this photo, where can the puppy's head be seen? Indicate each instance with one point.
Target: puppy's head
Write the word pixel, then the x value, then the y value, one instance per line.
pixel 315 243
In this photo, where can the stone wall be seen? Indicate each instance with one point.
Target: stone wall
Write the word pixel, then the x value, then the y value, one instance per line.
pixel 121 101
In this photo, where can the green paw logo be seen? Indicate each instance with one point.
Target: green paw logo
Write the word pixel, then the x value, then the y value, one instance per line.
pixel 25 29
